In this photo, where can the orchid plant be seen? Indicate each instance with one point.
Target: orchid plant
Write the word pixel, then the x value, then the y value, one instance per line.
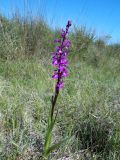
pixel 60 62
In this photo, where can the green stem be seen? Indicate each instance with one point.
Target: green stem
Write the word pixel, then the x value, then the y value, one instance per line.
pixel 54 99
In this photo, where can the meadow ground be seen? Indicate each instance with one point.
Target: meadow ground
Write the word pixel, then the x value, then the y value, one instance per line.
pixel 88 109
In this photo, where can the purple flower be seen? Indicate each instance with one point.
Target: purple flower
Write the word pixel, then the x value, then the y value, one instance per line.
pixel 59 58
pixel 67 43
pixel 63 33
pixel 60 85
pixel 57 41
pixel 55 76
pixel 64 73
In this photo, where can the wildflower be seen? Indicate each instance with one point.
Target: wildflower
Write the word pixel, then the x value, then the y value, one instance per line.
pixel 59 58
pixel 60 62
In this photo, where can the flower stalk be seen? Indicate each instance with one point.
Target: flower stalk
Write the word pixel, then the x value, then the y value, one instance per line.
pixel 60 62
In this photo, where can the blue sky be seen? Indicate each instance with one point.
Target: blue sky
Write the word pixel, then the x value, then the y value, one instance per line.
pixel 103 16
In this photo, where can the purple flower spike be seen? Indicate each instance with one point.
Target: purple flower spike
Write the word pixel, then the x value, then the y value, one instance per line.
pixel 59 59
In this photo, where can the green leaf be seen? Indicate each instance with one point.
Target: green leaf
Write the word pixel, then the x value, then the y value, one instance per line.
pixel 48 137
pixel 53 147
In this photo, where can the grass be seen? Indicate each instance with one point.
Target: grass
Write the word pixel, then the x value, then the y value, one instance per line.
pixel 92 102
pixel 88 107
